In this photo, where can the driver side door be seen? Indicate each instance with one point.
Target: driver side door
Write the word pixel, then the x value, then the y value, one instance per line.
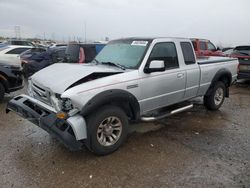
pixel 159 89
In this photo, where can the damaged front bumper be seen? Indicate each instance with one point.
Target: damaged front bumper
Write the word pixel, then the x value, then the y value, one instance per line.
pixel 71 132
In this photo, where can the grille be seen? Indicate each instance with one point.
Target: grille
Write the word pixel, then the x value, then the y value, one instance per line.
pixel 40 93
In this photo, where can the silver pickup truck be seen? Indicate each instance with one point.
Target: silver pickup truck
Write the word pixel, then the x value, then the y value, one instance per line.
pixel 131 79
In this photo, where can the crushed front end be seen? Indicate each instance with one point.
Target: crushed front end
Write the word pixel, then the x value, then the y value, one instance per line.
pixel 40 109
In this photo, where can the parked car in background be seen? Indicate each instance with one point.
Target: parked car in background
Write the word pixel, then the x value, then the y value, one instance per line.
pixel 11 54
pixel 204 47
pixel 243 55
pixel 82 53
pixel 58 45
pixel 11 78
pixel 19 43
pixel 37 59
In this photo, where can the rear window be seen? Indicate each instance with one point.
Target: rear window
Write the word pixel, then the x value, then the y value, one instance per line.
pixel 17 51
pixel 188 53
pixel 244 50
pixel 73 52
pixel 21 43
pixel 203 45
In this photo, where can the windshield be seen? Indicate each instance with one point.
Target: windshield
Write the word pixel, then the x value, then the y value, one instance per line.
pixel 127 53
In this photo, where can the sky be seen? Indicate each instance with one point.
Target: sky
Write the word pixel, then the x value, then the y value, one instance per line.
pixel 224 22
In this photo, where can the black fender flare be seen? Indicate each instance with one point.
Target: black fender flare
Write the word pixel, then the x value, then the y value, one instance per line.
pixel 127 101
pixel 221 75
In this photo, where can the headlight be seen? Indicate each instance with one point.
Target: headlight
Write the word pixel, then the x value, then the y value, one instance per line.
pixel 66 105
pixel 55 103
pixel 29 88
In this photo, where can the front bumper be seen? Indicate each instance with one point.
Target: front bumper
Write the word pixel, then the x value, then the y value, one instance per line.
pixel 70 132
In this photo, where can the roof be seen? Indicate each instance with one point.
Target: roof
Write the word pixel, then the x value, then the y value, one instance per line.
pixel 16 46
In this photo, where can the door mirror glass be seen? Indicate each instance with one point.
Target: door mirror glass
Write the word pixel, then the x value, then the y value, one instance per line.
pixel 155 66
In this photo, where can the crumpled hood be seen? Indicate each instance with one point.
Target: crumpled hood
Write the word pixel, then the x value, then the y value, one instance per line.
pixel 58 77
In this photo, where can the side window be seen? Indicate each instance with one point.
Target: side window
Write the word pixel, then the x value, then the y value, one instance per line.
pixel 203 45
pixel 90 52
pixel 167 52
pixel 211 47
pixel 188 53
pixel 194 45
pixel 17 51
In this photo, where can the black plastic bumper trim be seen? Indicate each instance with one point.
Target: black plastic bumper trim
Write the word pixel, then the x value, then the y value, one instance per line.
pixel 45 119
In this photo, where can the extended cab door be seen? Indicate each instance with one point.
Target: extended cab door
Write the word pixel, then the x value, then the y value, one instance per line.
pixel 192 70
pixel 159 89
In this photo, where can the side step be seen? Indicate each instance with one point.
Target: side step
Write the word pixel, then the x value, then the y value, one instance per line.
pixel 175 111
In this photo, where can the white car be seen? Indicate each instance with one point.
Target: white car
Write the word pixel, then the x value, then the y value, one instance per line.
pixel 11 53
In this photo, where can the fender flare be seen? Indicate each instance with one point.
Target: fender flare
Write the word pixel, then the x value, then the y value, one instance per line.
pixel 219 76
pixel 127 101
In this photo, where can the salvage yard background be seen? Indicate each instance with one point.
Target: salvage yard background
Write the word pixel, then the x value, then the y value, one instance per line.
pixel 197 148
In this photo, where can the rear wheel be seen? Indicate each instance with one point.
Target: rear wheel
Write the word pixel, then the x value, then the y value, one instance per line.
pixel 107 130
pixel 2 91
pixel 215 99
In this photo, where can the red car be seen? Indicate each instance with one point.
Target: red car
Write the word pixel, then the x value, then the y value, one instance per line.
pixel 204 47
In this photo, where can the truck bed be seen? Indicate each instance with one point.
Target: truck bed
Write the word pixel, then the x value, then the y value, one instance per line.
pixel 213 59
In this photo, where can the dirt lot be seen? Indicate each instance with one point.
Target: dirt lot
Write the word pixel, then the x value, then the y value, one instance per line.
pixel 193 149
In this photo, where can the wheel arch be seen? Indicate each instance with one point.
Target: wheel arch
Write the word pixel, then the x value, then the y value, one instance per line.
pixel 4 81
pixel 121 98
pixel 223 75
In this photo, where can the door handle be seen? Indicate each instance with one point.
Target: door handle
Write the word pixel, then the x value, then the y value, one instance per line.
pixel 180 75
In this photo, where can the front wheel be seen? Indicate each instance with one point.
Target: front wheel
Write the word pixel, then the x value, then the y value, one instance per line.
pixel 216 98
pixel 107 130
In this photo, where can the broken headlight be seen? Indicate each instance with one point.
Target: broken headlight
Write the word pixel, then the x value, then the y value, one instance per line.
pixel 66 105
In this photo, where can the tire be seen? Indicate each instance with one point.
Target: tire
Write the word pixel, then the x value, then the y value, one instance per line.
pixel 216 98
pixel 110 122
pixel 2 91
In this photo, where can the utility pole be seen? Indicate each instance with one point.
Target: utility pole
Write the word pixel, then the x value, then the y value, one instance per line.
pixel 85 31
pixel 17 29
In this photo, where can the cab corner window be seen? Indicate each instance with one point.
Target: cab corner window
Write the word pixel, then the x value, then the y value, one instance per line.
pixel 188 53
pixel 166 52
pixel 203 45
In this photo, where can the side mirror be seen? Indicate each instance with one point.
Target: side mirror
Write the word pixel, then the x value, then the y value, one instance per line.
pixel 155 66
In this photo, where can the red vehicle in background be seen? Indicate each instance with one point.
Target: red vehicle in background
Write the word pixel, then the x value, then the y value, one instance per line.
pixel 204 47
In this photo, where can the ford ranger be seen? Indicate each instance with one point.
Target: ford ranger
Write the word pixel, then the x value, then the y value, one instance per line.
pixel 131 79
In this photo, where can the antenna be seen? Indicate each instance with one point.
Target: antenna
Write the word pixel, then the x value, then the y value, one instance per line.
pixel 85 31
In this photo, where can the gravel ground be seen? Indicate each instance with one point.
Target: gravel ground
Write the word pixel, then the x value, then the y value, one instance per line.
pixel 197 148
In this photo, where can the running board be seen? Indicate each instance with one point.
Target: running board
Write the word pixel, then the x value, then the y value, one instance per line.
pixel 176 111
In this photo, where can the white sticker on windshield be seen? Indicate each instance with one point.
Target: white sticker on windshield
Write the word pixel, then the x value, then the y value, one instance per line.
pixel 139 43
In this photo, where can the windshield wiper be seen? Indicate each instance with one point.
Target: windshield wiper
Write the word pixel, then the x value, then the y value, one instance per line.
pixel 114 64
pixel 97 62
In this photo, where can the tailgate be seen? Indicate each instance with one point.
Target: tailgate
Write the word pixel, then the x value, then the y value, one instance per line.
pixel 244 65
